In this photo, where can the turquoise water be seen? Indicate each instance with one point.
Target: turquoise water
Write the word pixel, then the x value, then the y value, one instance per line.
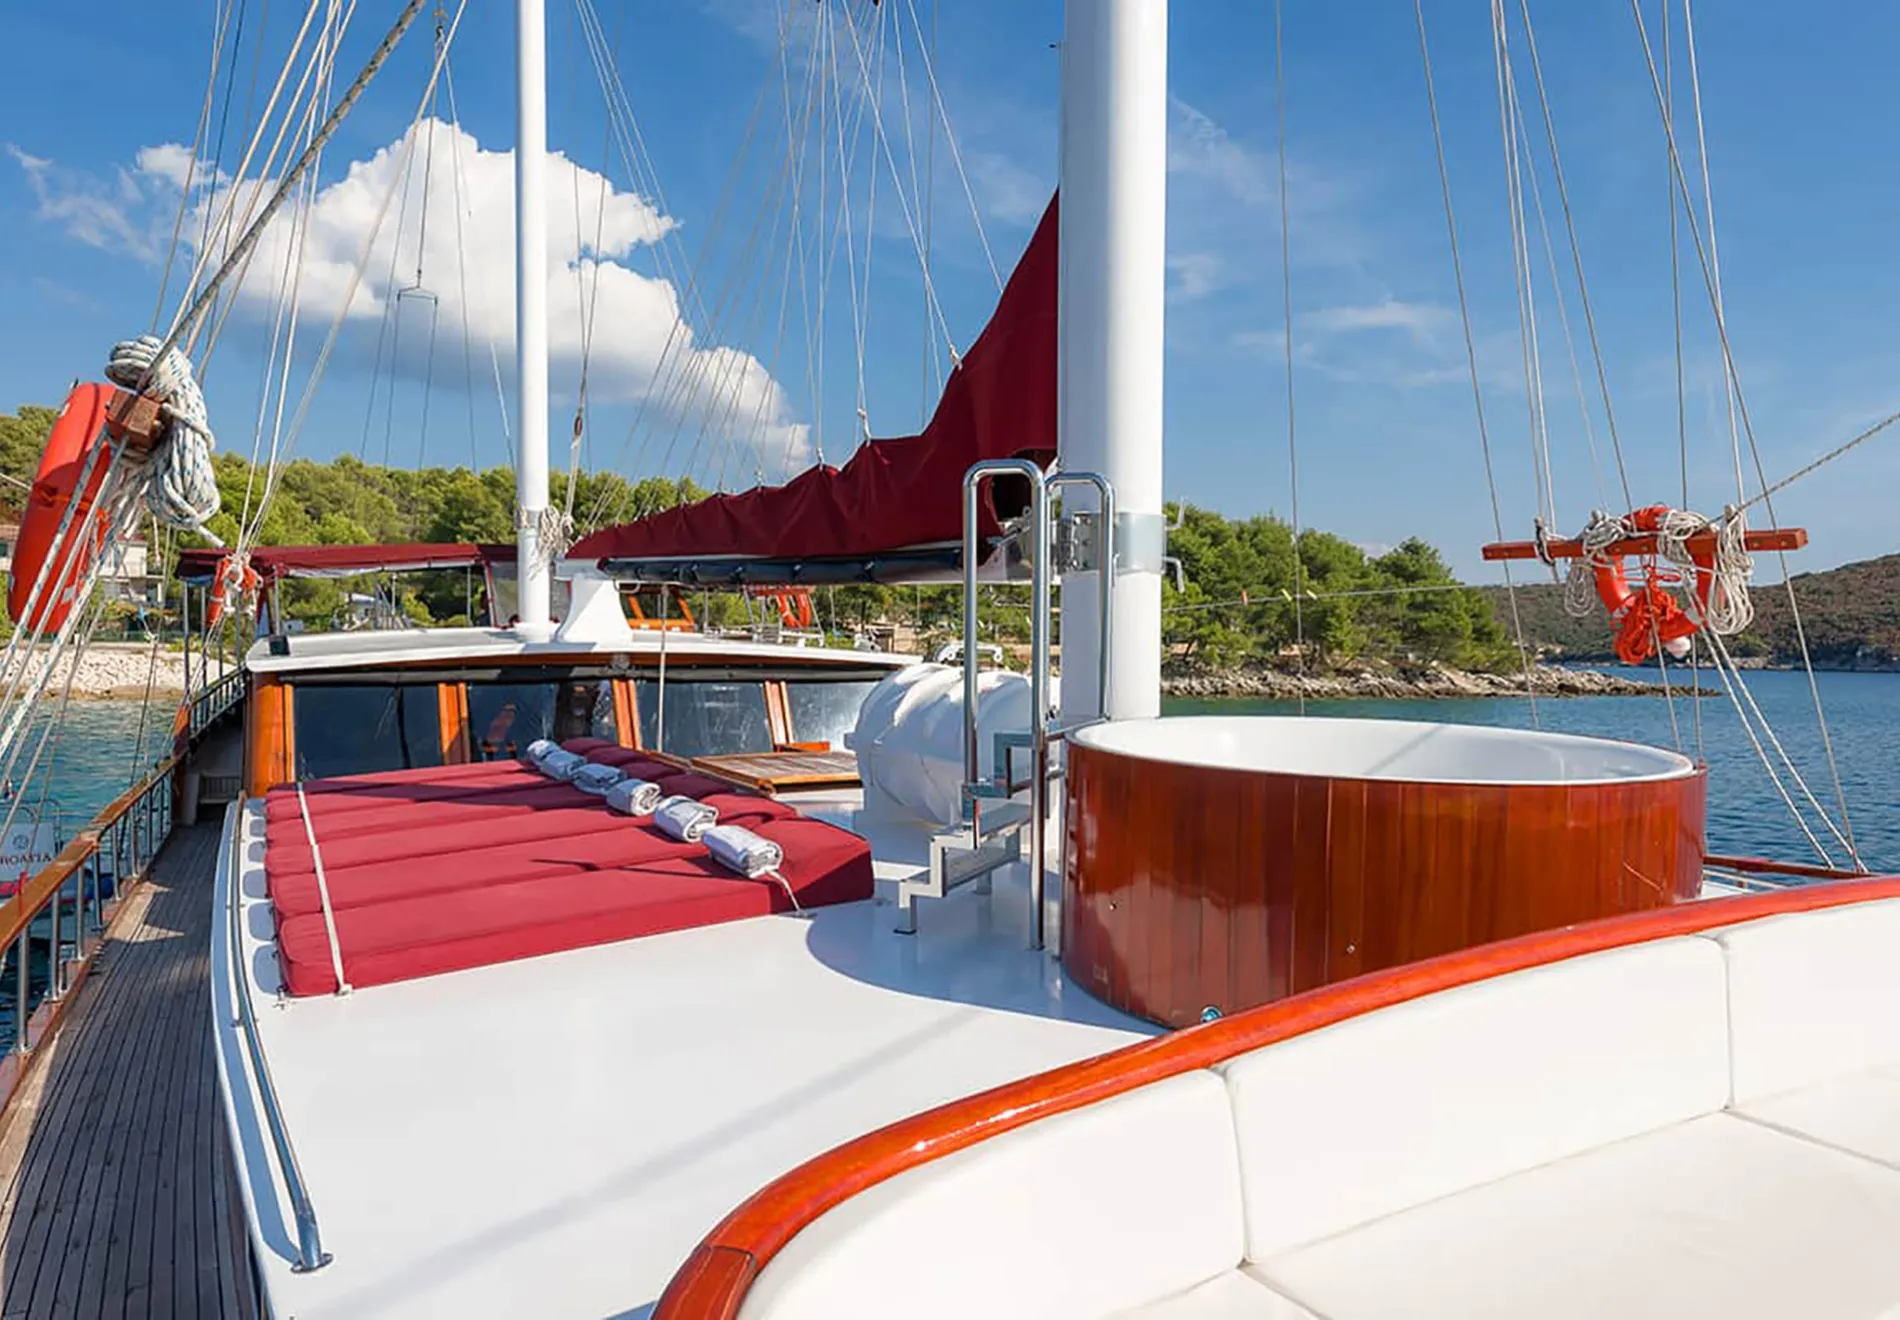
pixel 98 753
pixel 1746 814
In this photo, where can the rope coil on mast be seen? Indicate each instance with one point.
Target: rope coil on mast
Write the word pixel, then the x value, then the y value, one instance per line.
pixel 180 484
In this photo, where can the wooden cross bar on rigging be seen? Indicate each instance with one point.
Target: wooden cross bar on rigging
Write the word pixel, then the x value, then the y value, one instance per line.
pixel 1644 543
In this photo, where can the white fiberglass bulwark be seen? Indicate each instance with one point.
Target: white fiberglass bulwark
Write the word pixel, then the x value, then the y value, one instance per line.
pixel 1383 749
pixel 398 648
pixel 551 1137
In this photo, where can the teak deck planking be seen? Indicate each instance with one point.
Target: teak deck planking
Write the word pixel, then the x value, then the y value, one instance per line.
pixel 115 1191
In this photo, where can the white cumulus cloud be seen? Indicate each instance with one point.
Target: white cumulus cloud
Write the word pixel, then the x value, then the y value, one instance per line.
pixel 446 208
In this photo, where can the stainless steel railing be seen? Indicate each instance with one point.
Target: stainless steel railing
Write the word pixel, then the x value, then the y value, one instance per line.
pixel 1043 726
pixel 310 1252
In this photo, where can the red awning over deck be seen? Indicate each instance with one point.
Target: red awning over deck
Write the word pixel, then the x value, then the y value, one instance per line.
pixel 272 562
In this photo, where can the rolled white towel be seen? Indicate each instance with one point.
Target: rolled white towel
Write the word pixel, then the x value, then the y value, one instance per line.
pixel 634 797
pixel 686 819
pixel 561 765
pixel 752 855
pixel 538 751
pixel 738 849
pixel 597 779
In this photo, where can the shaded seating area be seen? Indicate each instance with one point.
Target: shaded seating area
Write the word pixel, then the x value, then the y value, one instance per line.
pixel 443 869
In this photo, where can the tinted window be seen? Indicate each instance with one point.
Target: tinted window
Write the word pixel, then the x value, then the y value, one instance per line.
pixel 503 718
pixel 704 719
pixel 825 712
pixel 350 730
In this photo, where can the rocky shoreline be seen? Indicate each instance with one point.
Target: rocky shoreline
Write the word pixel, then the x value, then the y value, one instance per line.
pixel 113 671
pixel 1406 685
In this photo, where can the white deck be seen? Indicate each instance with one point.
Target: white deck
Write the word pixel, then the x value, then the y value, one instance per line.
pixel 551 1137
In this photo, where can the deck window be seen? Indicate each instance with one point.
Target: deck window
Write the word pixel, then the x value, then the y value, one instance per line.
pixel 826 712
pixel 704 718
pixel 503 718
pixel 350 729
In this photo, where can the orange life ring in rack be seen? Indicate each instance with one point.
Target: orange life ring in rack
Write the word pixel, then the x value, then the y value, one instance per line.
pixel 1650 614
pixel 77 431
pixel 247 584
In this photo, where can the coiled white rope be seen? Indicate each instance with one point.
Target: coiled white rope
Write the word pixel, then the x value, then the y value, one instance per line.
pixel 1729 609
pixel 180 485
pixel 1580 587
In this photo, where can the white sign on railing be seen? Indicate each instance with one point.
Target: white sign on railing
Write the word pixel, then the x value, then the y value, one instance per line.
pixel 27 847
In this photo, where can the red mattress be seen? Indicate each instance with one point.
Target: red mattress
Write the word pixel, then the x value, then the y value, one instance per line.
pixel 462 866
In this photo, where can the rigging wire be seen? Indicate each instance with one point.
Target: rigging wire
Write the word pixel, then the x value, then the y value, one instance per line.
pixel 361 265
pixel 1543 491
pixel 942 110
pixel 1682 403
pixel 1712 285
pixel 218 32
pixel 1520 171
pixel 1471 353
pixel 1286 309
pixel 231 257
pixel 458 179
pixel 1576 253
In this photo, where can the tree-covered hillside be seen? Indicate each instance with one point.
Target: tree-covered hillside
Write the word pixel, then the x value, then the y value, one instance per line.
pixel 1250 595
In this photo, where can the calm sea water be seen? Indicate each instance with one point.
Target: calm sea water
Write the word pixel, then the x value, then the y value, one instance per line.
pixel 1746 814
pixel 91 762
pixel 101 749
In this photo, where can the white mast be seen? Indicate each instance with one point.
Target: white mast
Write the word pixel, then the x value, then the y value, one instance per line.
pixel 1113 282
pixel 531 313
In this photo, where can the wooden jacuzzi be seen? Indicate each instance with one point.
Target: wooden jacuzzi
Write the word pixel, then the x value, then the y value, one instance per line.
pixel 1219 862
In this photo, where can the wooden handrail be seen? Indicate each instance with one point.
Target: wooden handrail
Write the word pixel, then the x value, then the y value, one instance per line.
pixel 713 1282
pixel 1769 866
pixel 19 911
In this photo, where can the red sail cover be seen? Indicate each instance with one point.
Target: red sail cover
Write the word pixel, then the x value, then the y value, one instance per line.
pixel 1000 402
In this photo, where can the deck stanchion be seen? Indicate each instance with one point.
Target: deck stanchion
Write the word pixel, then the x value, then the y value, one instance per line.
pixel 53 989
pixel 20 1006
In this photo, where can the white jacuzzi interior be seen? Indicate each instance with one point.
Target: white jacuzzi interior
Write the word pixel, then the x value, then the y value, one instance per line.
pixel 1383 749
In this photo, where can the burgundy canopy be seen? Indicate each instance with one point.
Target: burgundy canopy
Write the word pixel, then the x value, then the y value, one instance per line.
pixel 1000 402
pixel 272 562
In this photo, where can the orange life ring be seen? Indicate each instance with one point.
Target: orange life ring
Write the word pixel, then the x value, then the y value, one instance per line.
pixel 79 427
pixel 794 604
pixel 248 583
pixel 1650 614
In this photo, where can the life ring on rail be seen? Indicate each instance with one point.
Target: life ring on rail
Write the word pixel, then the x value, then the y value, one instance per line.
pixel 247 584
pixel 79 428
pixel 1649 614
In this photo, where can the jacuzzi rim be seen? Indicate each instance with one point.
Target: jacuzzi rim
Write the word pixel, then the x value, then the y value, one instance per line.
pixel 1090 738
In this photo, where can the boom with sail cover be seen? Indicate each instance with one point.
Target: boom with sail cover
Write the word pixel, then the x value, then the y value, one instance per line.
pixel 898 500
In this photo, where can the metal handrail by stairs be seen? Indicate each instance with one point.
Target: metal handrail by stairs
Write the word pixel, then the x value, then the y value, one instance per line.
pixel 996 816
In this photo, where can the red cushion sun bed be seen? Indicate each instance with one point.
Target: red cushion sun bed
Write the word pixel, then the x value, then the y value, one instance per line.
pixel 295 893
pixel 462 866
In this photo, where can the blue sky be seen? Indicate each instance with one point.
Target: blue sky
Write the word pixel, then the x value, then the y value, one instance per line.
pixel 1799 121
